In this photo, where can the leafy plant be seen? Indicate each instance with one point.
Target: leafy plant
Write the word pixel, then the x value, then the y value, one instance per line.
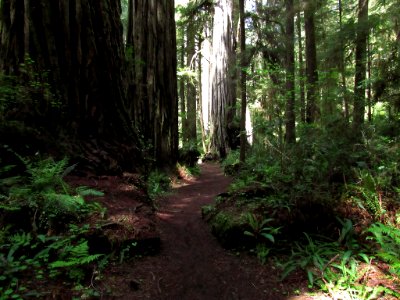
pixel 262 233
pixel 45 199
pixel 259 228
pixel 56 256
pixel 51 203
pixel 157 184
pixel 312 257
pixel 367 194
pixel 388 239
pixel 73 256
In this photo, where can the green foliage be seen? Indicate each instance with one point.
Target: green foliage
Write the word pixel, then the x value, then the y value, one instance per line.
pixel 388 239
pixel 125 251
pixel 262 233
pixel 231 159
pixel 50 202
pixel 57 256
pixel 312 257
pixel 259 228
pixel 367 194
pixel 28 94
pixel 331 267
pixel 42 199
pixel 158 183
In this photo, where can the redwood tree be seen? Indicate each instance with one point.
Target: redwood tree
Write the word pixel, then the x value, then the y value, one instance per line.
pixel 153 98
pixel 290 102
pixel 311 61
pixel 361 60
pixel 222 96
pixel 77 47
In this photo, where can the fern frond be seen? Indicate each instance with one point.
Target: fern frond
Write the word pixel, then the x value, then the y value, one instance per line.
pixel 76 256
pixel 86 191
pixel 388 238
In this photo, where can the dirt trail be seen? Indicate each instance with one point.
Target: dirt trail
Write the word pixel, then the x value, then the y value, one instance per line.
pixel 192 265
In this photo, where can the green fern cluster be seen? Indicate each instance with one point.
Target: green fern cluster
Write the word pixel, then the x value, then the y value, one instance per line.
pixel 388 239
pixel 42 199
pixel 366 193
pixel 42 256
pixel 46 196
pixel 158 183
pixel 72 257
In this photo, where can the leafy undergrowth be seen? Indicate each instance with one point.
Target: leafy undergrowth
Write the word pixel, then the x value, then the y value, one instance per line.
pixel 321 208
pixel 56 238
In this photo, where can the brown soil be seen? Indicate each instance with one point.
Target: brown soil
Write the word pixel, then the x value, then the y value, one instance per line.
pixel 191 264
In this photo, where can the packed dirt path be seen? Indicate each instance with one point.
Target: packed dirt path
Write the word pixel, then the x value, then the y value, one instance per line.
pixel 191 264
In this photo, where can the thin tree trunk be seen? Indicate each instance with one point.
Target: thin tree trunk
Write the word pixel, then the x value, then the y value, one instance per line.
pixel 243 63
pixel 311 62
pixel 206 86
pixel 200 95
pixel 182 98
pixel 290 120
pixel 369 85
pixel 301 71
pixel 342 67
pixel 360 61
pixel 191 88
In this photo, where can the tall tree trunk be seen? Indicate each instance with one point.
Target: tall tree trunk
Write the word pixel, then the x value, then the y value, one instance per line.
pixel 369 85
pixel 360 61
pixel 206 54
pixel 342 66
pixel 78 46
pixel 191 87
pixel 221 76
pixel 311 62
pixel 200 94
pixel 243 63
pixel 154 84
pixel 301 71
pixel 290 120
pixel 182 98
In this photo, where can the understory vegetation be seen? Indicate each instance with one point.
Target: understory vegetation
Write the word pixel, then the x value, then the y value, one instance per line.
pixel 54 235
pixel 44 229
pixel 326 206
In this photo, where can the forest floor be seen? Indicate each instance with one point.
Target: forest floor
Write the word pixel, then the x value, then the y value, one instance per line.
pixel 191 264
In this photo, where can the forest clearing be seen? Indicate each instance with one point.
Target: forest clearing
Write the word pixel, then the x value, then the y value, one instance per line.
pixel 197 149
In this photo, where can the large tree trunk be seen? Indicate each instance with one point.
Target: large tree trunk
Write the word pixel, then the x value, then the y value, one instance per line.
pixel 243 63
pixel 191 111
pixel 182 94
pixel 301 71
pixel 290 102
pixel 221 76
pixel 311 62
pixel 153 91
pixel 206 53
pixel 361 60
pixel 77 47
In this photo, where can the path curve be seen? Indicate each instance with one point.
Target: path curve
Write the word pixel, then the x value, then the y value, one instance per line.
pixel 192 265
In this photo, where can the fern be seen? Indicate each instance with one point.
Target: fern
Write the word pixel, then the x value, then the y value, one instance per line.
pixel 47 196
pixel 86 191
pixel 47 174
pixel 388 238
pixel 76 256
